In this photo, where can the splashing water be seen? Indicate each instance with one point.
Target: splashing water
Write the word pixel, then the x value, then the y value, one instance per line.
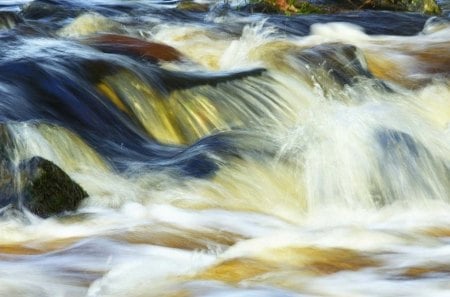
pixel 228 154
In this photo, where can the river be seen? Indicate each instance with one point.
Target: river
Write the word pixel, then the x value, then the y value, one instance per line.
pixel 228 153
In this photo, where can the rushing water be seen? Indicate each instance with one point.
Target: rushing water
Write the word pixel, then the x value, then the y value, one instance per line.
pixel 257 156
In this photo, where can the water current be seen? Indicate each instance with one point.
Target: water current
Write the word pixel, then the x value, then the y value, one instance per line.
pixel 228 153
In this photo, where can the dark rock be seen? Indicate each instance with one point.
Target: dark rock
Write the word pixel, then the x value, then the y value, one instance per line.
pixel 56 10
pixel 46 189
pixel 284 6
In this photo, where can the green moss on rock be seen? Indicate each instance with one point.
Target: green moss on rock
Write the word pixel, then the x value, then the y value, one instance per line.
pixel 305 7
pixel 47 189
pixel 423 6
pixel 333 6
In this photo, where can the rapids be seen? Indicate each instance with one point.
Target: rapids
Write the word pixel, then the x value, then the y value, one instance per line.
pixel 228 153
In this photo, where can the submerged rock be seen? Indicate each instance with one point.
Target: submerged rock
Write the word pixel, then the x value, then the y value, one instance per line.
pixel 8 20
pixel 405 165
pixel 46 189
pixel 332 66
pixel 335 65
pixel 7 187
pixel 39 9
pixel 342 62
pixel 435 24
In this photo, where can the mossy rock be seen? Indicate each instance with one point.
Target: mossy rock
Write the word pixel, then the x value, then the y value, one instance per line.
pixel 421 6
pixel 46 189
pixel 7 188
pixel 305 7
pixel 259 7
pixel 430 7
pixel 288 7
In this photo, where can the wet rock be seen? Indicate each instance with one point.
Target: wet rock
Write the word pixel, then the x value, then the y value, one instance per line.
pixel 8 20
pixel 39 9
pixel 283 6
pixel 191 6
pixel 333 6
pixel 423 6
pixel 46 190
pixel 332 66
pixel 126 45
pixel 342 62
pixel 7 188
pixel 260 7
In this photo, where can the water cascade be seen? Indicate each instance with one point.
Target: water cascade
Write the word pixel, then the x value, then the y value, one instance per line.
pixel 224 152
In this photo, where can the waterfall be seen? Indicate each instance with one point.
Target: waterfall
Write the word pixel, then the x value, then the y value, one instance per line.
pixel 225 153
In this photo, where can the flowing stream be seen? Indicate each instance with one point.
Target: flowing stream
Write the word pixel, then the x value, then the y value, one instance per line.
pixel 229 153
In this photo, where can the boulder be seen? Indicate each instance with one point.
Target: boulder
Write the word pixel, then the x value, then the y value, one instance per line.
pixel 46 190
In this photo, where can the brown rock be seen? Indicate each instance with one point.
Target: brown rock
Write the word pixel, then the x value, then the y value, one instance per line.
pixel 126 45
